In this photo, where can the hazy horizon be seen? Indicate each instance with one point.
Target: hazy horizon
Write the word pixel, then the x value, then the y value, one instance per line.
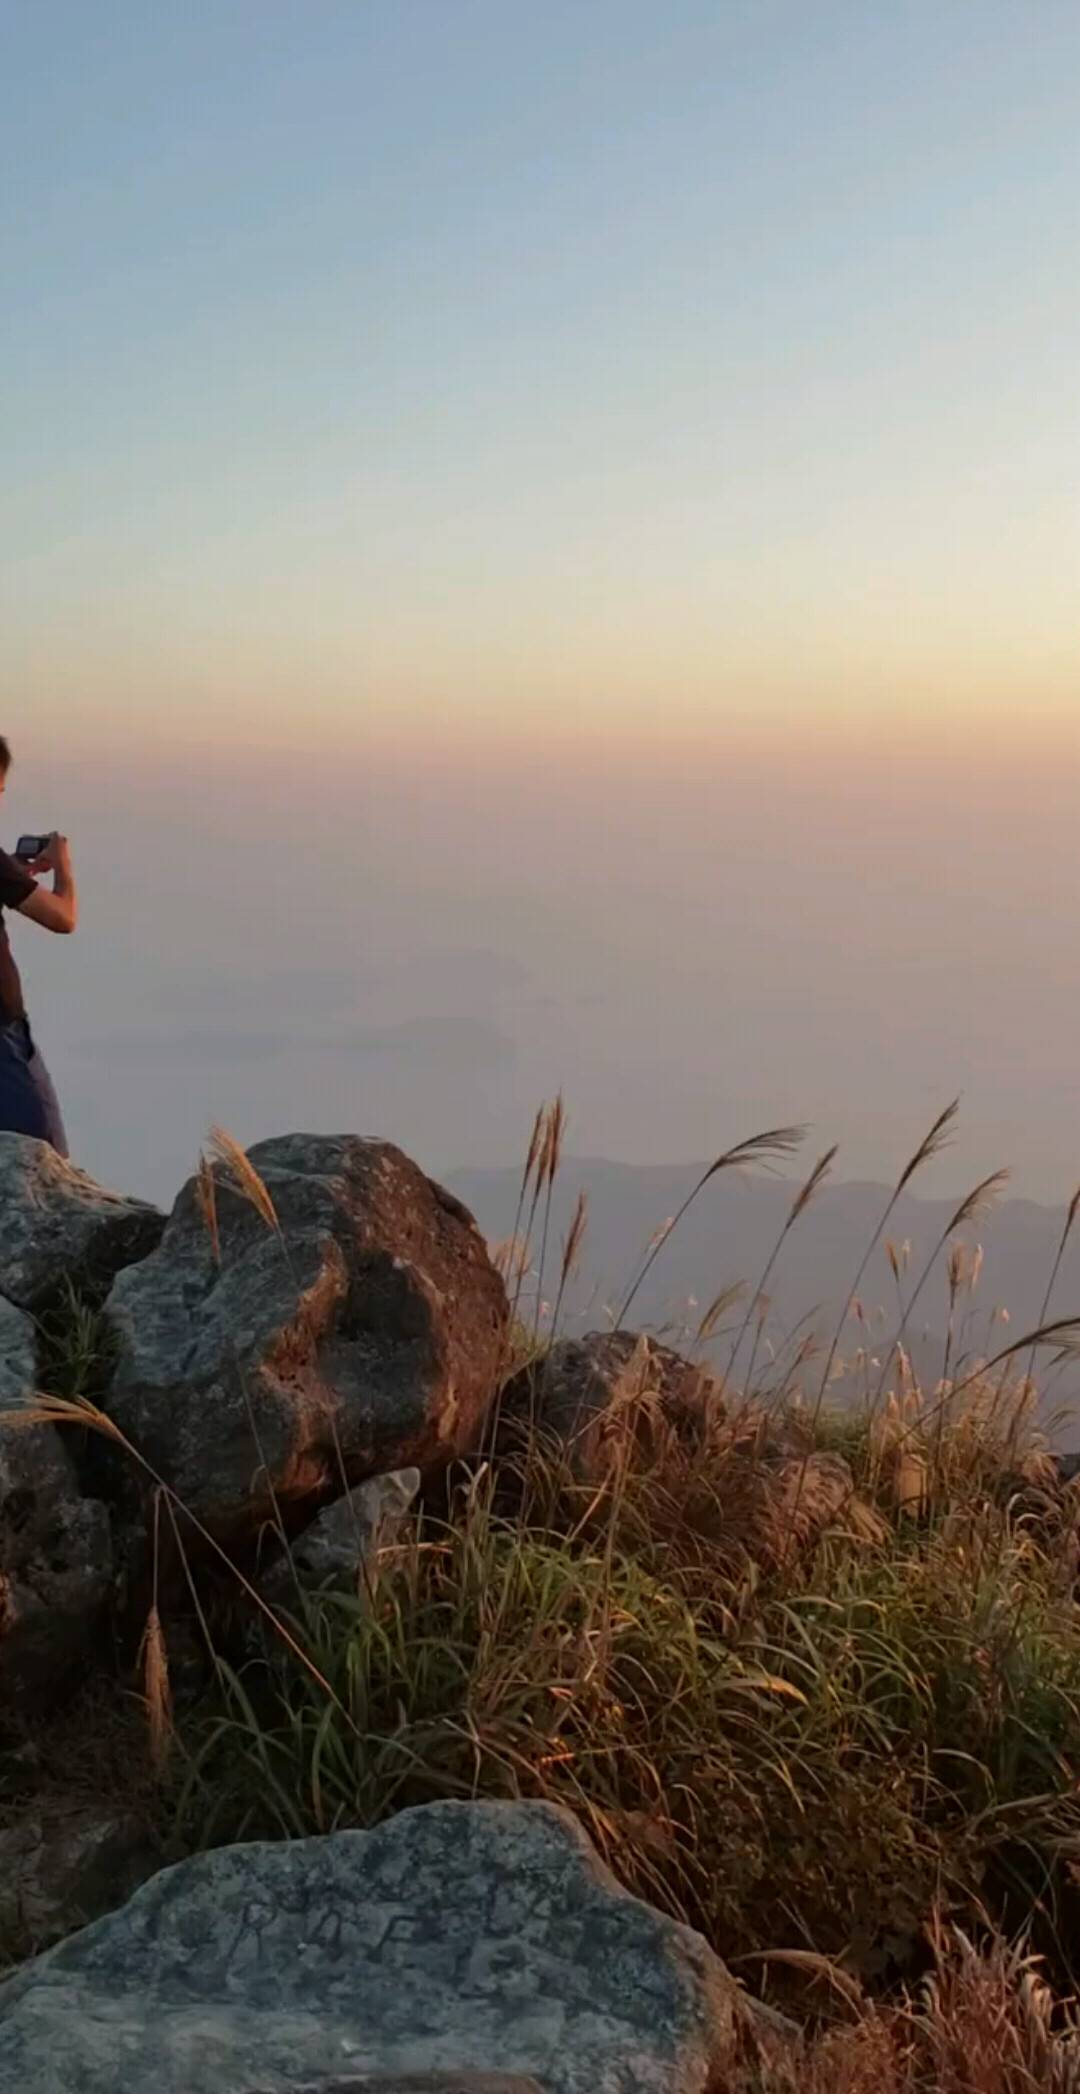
pixel 424 952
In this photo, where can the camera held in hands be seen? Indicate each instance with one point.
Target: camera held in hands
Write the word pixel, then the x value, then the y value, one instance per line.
pixel 30 847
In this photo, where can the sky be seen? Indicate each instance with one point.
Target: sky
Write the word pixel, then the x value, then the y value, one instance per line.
pixel 542 544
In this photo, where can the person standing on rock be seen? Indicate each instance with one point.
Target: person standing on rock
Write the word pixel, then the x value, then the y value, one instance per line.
pixel 28 1103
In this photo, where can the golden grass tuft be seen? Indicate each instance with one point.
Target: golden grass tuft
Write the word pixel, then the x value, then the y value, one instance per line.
pixel 157 1698
pixel 985 2022
pixel 240 1174
pixel 206 1196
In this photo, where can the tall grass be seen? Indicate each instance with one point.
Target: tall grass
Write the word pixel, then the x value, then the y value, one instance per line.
pixel 811 1680
pixel 983 2022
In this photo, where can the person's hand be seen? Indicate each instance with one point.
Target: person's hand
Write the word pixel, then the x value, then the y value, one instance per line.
pixel 56 857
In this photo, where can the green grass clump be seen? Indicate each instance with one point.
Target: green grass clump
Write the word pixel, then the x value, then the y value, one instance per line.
pixel 813 1758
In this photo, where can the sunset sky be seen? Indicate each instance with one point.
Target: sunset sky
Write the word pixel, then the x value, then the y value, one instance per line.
pixel 601 363
pixel 556 519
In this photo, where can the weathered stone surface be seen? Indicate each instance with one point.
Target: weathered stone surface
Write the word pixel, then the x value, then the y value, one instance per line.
pixel 461 1937
pixel 591 1393
pixel 58 1224
pixel 414 2083
pixel 342 1543
pixel 17 1357
pixel 365 1334
pixel 61 1868
pixel 55 1545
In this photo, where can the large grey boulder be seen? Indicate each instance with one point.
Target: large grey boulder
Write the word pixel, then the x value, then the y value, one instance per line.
pixel 55 1545
pixel 57 1224
pixel 363 1333
pixel 463 1938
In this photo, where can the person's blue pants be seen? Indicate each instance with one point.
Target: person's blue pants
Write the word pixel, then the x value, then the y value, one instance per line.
pixel 28 1102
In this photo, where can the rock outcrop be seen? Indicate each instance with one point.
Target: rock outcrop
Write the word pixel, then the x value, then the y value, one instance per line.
pixel 55 1544
pixel 460 1938
pixel 360 1331
pixel 57 1224
pixel 591 1394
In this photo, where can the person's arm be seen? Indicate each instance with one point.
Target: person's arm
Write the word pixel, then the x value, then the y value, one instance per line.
pixel 58 911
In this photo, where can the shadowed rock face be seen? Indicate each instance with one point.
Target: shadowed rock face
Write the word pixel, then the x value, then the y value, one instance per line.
pixel 55 1545
pixel 58 1224
pixel 363 1334
pixel 457 1939
pixel 63 1865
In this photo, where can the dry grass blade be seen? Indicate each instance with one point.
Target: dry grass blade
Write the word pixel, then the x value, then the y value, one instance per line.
pixel 517 1248
pixel 154 1666
pixel 64 1410
pixel 930 1147
pixel 540 1168
pixel 206 1195
pixel 761 1149
pixel 975 1204
pixel 1063 1244
pixel 242 1175
pixel 511 1259
pixel 535 1140
pixel 799 1205
pixel 813 1184
pixel 811 1965
pixel 550 1159
pixel 718 1308
pixel 575 1238
pixel 556 1132
pixel 932 1144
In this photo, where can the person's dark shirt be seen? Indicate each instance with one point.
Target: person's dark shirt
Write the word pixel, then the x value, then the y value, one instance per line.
pixel 15 885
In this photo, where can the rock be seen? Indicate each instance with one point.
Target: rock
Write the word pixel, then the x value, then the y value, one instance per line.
pixel 365 1333
pixel 343 1542
pixel 589 1393
pixel 58 1224
pixel 750 1480
pixel 55 1545
pixel 467 1938
pixel 18 1363
pixel 60 1869
pixel 416 2083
